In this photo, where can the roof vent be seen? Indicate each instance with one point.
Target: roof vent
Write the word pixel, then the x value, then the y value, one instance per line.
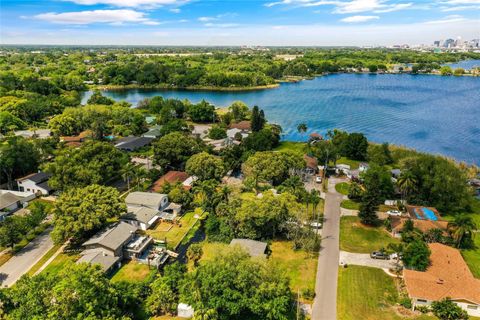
pixel 440 281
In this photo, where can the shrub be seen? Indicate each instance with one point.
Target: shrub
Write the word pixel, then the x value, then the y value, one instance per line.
pixel 406 303
pixel 422 309
pixel 308 293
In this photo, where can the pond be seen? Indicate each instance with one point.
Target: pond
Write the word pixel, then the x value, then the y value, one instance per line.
pixel 426 112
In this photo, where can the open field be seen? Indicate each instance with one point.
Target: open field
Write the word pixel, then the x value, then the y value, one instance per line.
pixel 133 272
pixel 472 257
pixel 295 147
pixel 368 294
pixel 355 237
pixel 352 163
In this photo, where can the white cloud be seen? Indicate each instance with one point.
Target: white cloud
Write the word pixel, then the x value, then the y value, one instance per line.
pixel 175 10
pixel 395 7
pixel 345 7
pixel 206 19
pixel 115 17
pixel 130 3
pixel 447 19
pixel 460 8
pixel 457 2
pixel 221 25
pixel 357 19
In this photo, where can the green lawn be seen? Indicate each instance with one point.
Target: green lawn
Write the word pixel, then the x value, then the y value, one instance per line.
pixel 133 272
pixel 342 187
pixel 355 237
pixel 174 233
pixel 44 259
pixel 295 147
pixel 368 294
pixel 352 163
pixel 350 204
pixel 472 257
pixel 60 261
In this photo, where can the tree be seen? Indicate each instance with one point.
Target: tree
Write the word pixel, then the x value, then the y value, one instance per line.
pixel 239 110
pixel 205 166
pixel 302 128
pixel 93 163
pixel 257 120
pixel 407 183
pixel 18 157
pixel 446 309
pixel 233 286
pixel 11 232
pixel 194 253
pixel 271 166
pixel 128 171
pixel 9 122
pixel 356 146
pixel 79 212
pixel 354 191
pixel 174 149
pixel 217 132
pixel 368 210
pixel 263 140
pixel 378 184
pixel 162 300
pixel 446 71
pixel 98 98
pixel 202 112
pixel 64 125
pixel 379 154
pixel 462 229
pixel 416 255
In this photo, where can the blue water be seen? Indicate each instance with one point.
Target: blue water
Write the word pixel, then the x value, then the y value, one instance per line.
pixel 466 64
pixel 429 113
pixel 429 214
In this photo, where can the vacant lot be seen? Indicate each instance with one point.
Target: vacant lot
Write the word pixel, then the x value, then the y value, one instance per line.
pixel 355 237
pixel 368 294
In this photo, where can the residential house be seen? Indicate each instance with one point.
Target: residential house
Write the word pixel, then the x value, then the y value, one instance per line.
pixel 221 143
pixel 234 132
pixel 363 166
pixel 39 133
pixel 155 201
pixel 153 132
pixel 314 137
pixel 311 163
pixel 254 248
pixel 133 143
pixel 114 244
pixel 424 219
pixel 244 126
pixel 12 201
pixel 448 276
pixel 201 130
pixel 35 183
pixel 171 177
pixel 353 175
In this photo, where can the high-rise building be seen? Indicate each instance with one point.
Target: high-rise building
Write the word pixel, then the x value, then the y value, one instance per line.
pixel 436 43
pixel 449 43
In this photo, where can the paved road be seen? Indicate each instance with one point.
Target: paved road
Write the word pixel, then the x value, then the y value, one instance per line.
pixel 325 303
pixel 20 263
pixel 363 259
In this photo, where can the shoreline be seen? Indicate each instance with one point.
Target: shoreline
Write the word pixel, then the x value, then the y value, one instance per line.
pixel 256 88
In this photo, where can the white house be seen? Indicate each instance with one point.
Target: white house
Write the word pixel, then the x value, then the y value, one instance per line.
pixel 35 183
pixel 11 201
pixel 144 209
pixel 156 201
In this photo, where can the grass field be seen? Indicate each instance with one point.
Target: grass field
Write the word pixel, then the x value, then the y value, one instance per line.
pixel 44 259
pixel 133 272
pixel 472 257
pixel 295 147
pixel 368 294
pixel 352 163
pixel 59 262
pixel 350 204
pixel 173 233
pixel 5 257
pixel 355 237
pixel 342 188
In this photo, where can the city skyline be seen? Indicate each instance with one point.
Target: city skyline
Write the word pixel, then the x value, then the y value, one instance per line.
pixel 266 22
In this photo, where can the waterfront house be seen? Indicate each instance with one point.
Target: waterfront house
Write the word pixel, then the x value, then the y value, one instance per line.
pixel 311 164
pixel 423 218
pixel 244 126
pixel 448 276
pixel 36 183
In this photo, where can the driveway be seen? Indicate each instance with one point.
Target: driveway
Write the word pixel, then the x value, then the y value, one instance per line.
pixel 363 259
pixel 21 262
pixel 325 302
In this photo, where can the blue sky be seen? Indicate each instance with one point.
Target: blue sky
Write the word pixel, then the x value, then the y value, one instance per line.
pixel 237 22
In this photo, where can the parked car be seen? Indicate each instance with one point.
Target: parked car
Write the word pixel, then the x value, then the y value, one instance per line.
pixel 379 255
pixel 394 213
pixel 318 179
pixel 316 225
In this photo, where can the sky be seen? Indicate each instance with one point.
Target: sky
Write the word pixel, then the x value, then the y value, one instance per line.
pixel 237 22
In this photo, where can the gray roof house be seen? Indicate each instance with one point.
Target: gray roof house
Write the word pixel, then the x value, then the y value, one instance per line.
pixel 36 183
pixel 141 217
pixel 107 262
pixel 113 239
pixel 254 248
pixel 153 132
pixel 152 200
pixel 133 143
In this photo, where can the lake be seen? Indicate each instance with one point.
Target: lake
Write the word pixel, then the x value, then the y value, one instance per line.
pixel 426 112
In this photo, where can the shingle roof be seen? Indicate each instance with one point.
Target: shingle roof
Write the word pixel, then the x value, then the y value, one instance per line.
pixel 447 276
pixel 133 143
pixel 114 237
pixel 145 199
pixel 95 257
pixel 7 199
pixel 254 248
pixel 142 214
pixel 171 177
pixel 242 125
pixel 422 225
pixel 36 177
pixel 311 162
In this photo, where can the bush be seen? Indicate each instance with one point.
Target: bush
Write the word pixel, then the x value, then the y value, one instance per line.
pixel 406 303
pixel 422 309
pixel 308 293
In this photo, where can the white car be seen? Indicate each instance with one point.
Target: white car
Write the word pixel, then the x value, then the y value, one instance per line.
pixel 316 225
pixel 318 179
pixel 394 213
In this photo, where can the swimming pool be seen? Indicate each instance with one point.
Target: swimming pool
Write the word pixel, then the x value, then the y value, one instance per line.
pixel 425 213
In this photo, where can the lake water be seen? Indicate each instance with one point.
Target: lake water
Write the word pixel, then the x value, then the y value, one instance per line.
pixel 429 113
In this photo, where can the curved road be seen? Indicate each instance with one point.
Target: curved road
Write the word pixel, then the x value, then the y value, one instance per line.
pixel 325 303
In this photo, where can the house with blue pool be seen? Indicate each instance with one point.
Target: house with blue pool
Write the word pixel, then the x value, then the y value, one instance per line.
pixel 424 219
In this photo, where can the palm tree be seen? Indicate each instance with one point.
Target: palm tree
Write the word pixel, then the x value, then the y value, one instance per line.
pixel 302 128
pixel 461 227
pixel 127 172
pixel 407 183
pixel 225 193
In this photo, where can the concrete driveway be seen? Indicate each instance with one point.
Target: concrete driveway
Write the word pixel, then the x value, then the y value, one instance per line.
pixel 325 302
pixel 363 259
pixel 21 262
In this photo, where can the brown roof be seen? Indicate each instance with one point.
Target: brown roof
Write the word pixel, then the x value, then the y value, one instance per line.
pixel 312 162
pixel 71 139
pixel 416 212
pixel 315 135
pixel 242 125
pixel 447 276
pixel 73 144
pixel 422 225
pixel 171 177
